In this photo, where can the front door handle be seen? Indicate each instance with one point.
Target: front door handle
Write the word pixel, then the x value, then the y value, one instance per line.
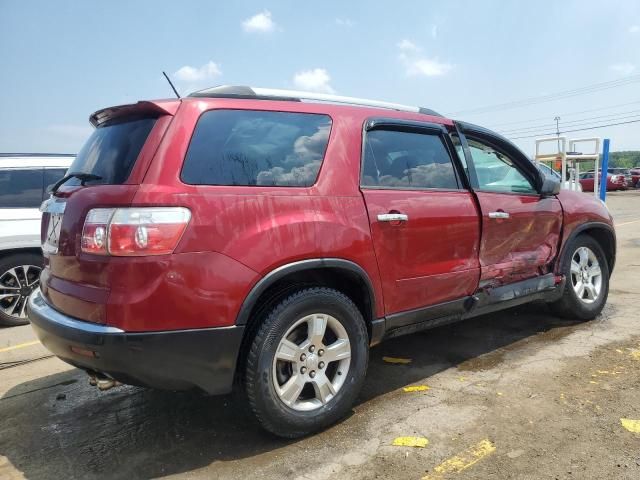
pixel 498 215
pixel 393 217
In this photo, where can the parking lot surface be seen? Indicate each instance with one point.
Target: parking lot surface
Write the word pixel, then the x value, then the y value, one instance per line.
pixel 516 394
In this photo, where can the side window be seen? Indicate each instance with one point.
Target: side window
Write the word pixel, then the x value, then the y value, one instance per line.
pixel 496 172
pixel 251 147
pixel 51 176
pixel 21 188
pixel 397 159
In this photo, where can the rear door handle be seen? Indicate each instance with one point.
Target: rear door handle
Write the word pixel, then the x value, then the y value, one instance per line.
pixel 498 215
pixel 393 217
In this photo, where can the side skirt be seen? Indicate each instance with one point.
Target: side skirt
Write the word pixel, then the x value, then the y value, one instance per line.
pixel 482 302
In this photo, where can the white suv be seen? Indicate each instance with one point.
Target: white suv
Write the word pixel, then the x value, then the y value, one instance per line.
pixel 24 179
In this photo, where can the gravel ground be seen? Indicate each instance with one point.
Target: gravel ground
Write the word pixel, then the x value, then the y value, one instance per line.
pixel 517 394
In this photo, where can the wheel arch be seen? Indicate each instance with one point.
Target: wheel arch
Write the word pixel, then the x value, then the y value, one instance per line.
pixel 343 275
pixel 603 233
pixel 17 251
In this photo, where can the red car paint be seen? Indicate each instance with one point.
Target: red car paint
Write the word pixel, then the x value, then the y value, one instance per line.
pixel 523 245
pixel 635 176
pixel 614 182
pixel 237 235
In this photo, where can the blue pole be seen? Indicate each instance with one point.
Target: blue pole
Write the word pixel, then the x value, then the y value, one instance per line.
pixel 603 169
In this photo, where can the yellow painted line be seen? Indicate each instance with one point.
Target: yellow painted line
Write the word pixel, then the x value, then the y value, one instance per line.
pixel 463 460
pixel 401 361
pixel 21 345
pixel 626 223
pixel 419 442
pixel 416 388
pixel 631 425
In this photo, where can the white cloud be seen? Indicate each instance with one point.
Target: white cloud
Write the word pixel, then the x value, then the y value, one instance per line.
pixel 316 80
pixel 417 64
pixel 625 68
pixel 259 23
pixel 208 71
pixel 407 45
pixel 345 22
pixel 192 78
pixel 426 67
pixel 634 29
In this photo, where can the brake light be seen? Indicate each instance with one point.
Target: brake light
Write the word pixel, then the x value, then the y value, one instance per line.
pixel 134 231
pixel 94 232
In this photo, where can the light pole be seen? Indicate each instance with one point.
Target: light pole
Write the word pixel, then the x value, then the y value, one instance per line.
pixel 557 119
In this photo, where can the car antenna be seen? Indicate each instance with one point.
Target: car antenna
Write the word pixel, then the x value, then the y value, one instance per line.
pixel 170 83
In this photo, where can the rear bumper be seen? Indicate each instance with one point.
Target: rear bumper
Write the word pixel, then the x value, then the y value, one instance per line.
pixel 174 360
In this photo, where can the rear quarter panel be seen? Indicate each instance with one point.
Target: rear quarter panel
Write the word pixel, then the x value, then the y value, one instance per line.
pixel 263 228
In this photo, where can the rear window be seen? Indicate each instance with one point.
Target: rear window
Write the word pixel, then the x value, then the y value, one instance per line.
pixel 21 188
pixel 111 151
pixel 250 147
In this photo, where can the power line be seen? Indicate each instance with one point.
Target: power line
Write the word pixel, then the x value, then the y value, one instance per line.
pixel 575 123
pixel 564 114
pixel 611 116
pixel 596 87
pixel 575 130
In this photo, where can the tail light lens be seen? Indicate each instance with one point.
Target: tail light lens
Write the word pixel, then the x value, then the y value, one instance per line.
pixel 94 232
pixel 134 231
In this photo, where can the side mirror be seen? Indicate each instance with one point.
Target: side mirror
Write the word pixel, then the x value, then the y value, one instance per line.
pixel 550 186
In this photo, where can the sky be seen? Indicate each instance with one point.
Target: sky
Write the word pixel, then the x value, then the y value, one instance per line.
pixel 62 60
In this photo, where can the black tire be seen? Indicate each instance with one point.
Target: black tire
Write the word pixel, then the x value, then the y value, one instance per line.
pixel 271 412
pixel 570 306
pixel 7 263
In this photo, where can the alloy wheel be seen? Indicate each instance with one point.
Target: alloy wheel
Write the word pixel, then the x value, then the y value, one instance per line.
pixel 586 275
pixel 311 362
pixel 16 284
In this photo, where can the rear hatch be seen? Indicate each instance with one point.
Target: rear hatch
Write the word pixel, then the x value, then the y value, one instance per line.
pixel 109 168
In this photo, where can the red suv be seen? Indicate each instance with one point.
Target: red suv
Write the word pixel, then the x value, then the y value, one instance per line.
pixel 266 239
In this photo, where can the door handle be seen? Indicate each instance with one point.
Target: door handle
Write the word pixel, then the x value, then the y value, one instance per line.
pixel 393 217
pixel 498 215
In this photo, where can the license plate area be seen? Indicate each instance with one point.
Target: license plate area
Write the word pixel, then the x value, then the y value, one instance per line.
pixel 55 211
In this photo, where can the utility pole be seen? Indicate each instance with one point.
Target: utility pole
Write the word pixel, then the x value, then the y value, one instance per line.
pixel 557 119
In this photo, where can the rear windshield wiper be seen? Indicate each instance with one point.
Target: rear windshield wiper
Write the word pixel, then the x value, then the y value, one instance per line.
pixel 84 177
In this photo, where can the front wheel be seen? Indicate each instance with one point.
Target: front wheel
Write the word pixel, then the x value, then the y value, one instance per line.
pixel 587 287
pixel 307 362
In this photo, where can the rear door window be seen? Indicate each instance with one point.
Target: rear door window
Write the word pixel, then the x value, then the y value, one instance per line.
pixel 252 148
pixel 21 188
pixel 111 151
pixel 407 160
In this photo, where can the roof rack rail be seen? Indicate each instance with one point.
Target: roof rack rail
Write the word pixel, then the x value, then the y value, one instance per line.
pixel 238 91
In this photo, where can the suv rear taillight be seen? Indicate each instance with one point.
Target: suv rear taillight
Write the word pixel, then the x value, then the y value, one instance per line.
pixel 134 231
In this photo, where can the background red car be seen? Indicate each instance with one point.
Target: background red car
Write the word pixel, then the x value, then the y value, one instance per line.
pixel 635 176
pixel 614 182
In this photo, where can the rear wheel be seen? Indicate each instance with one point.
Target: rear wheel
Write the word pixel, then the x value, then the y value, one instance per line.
pixel 19 276
pixel 307 362
pixel 587 286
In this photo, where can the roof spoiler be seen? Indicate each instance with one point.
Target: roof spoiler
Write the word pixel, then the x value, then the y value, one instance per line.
pixel 145 108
